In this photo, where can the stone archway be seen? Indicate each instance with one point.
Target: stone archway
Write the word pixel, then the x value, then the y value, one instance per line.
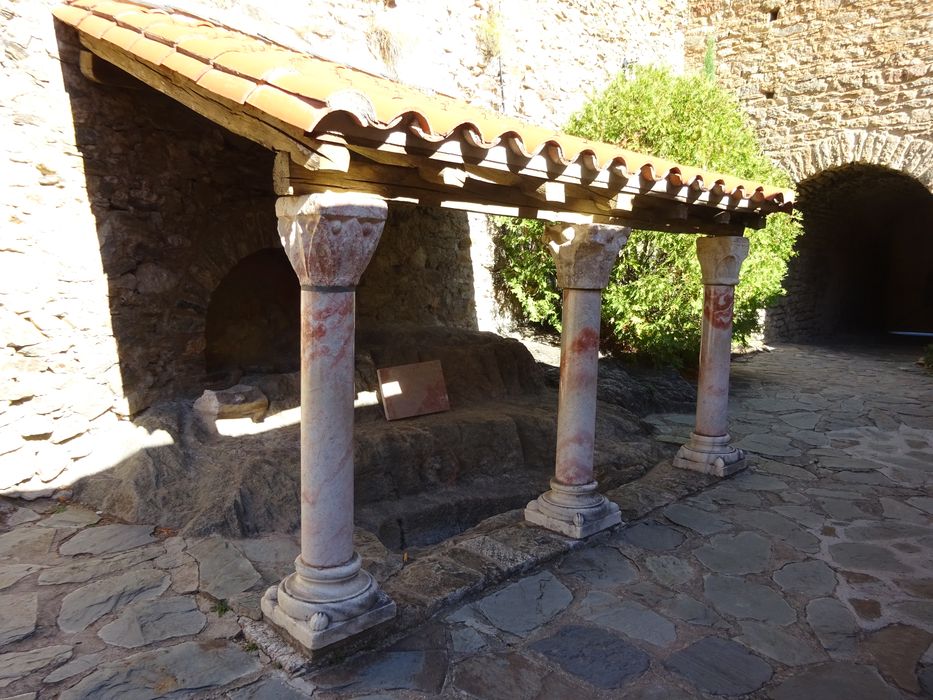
pixel 864 264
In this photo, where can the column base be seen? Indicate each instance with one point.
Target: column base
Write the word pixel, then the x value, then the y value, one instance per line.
pixel 574 511
pixel 319 607
pixel 710 455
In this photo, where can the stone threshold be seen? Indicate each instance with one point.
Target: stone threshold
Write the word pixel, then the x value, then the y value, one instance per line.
pixel 465 566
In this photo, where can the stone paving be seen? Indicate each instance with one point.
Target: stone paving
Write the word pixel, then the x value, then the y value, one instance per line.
pixel 809 575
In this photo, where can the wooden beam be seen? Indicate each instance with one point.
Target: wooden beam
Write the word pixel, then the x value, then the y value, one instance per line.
pixel 103 73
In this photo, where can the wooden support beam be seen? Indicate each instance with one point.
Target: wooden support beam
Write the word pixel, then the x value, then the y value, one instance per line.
pixel 103 73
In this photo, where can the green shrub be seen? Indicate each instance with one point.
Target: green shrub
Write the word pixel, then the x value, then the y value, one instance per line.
pixel 652 306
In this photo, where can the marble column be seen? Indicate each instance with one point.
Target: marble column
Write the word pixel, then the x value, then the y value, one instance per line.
pixel 329 239
pixel 584 255
pixel 708 449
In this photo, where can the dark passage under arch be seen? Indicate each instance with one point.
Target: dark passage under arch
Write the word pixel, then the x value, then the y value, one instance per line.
pixel 864 263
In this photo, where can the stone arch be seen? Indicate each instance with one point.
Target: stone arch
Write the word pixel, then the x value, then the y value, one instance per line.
pixel 907 154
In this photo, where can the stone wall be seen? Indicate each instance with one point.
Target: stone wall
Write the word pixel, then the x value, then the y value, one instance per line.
pixel 123 212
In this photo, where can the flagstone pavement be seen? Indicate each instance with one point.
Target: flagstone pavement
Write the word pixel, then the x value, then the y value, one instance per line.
pixel 808 576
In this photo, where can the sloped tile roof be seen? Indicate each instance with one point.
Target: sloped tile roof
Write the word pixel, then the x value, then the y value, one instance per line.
pixel 300 90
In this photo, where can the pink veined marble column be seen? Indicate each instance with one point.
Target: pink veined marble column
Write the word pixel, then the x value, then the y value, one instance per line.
pixel 584 255
pixel 329 239
pixel 708 449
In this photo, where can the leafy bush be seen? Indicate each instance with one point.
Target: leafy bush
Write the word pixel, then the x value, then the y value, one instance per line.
pixel 652 306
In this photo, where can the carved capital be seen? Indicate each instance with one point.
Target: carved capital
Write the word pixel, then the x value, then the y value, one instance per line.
pixel 585 253
pixel 330 237
pixel 721 258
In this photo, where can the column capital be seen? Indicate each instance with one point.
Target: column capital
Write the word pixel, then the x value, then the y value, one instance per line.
pixel 330 237
pixel 585 253
pixel 721 257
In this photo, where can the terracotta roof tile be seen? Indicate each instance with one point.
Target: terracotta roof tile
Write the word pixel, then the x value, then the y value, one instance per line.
pixel 226 85
pixel 302 90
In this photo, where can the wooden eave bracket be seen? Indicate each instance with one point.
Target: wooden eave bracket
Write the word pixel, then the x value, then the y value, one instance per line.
pixel 102 72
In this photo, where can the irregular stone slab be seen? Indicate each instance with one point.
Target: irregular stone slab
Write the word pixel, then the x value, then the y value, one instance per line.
pixel 720 666
pixel 774 405
pixel 834 625
pixel 897 650
pixel 601 567
pixel 152 621
pixel 697 520
pixel 779 645
pixel 688 609
pixel 223 570
pixel 886 531
pixel 82 570
pixel 849 464
pixel 842 510
pixel 919 610
pixel 769 466
pixel 17 664
pixel 758 482
pixel 71 518
pixel 864 478
pixel 423 671
pixel 28 545
pixel 669 570
pixel 75 667
pixel 924 503
pixel 769 444
pixel 866 557
pixel 805 515
pixel 509 677
pixel 183 668
pixel 108 539
pixel 812 578
pixel 779 527
pixel 866 608
pixel 22 515
pixel 745 553
pixel 522 607
pixel 83 606
pixel 17 616
pixel 747 601
pixel 628 617
pixel 805 420
pixel 273 556
pixel 809 437
pixel 725 495
pixel 832 681
pixel 14 572
pixel 572 647
pixel 267 689
pixel 653 536
pixel 894 509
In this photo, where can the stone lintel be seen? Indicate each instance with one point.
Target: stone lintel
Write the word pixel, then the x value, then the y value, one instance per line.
pixel 585 253
pixel 721 257
pixel 330 237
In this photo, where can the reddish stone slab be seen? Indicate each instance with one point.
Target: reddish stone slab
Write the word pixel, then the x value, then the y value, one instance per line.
pixel 413 390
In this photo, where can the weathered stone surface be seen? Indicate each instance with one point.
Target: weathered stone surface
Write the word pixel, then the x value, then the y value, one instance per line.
pixel 924 503
pixel 758 482
pixel 602 567
pixel 18 516
pixel 842 510
pixel 26 544
pixel 886 531
pixel 805 515
pixel 267 689
pixel 697 520
pixel 423 671
pixel 778 644
pixel 15 665
pixel 107 539
pixel 831 681
pixel 653 536
pixel 746 600
pixel 768 466
pixel 669 570
pixel 84 605
pixel 834 625
pixel 239 401
pixel 223 570
pixel 779 527
pixel 71 518
pixel 812 578
pixel 897 650
pixel 571 648
pixel 12 573
pixel 184 669
pixel 509 676
pixel 152 621
pixel 17 616
pixel 744 553
pixel 720 666
pixel 77 666
pixel 866 557
pixel 689 609
pixel 768 444
pixel 522 607
pixel 81 570
pixel 628 617
pixel 918 610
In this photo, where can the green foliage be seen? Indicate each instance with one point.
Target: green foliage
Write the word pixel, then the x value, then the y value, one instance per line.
pixel 709 58
pixel 221 607
pixel 652 306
